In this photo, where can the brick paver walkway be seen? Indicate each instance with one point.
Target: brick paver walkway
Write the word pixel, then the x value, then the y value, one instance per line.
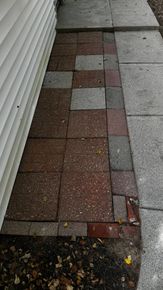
pixel 76 175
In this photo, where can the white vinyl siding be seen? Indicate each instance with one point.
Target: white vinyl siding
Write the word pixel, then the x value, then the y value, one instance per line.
pixel 27 32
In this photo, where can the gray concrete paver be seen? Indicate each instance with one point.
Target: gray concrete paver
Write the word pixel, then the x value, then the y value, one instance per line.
pixel 135 14
pixel 120 156
pixel 88 99
pixel 44 229
pixel 89 62
pixel 59 80
pixel 111 62
pixel 84 14
pixel 143 88
pixel 139 47
pixel 120 211
pixel 15 228
pixel 114 98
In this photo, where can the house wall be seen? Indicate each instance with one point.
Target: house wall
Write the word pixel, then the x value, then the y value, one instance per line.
pixel 27 32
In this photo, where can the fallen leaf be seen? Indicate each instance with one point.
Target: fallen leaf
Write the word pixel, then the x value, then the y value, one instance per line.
pixel 100 240
pixel 128 260
pixel 45 198
pixel 58 266
pixel 120 221
pixel 59 259
pixel 66 225
pixel 94 246
pixel 98 151
pixel 53 284
pixel 26 256
pixel 69 287
pixel 34 274
pixel 17 280
pixel 73 238
pixel 65 281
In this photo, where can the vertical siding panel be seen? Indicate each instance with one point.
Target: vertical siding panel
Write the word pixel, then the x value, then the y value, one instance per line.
pixel 22 69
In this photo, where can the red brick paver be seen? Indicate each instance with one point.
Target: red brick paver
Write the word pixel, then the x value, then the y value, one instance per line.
pixel 61 63
pixel 112 78
pixel 117 124
pixel 84 155
pixel 89 48
pixel 88 79
pixel 85 197
pixel 87 124
pixel 64 185
pixel 32 195
pixel 109 48
pixel 51 116
pixel 90 37
pixel 62 49
pixel 43 155
pixel 65 38
pixel 103 230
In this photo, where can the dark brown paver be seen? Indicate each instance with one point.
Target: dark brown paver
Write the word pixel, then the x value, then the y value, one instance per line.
pixel 87 124
pixel 117 124
pixel 61 63
pixel 90 37
pixel 43 155
pixel 34 197
pixel 51 116
pixel 112 78
pixel 89 48
pixel 64 49
pixel 104 230
pixel 86 155
pixel 123 183
pixel 64 38
pixel 85 197
pixel 88 79
pixel 110 48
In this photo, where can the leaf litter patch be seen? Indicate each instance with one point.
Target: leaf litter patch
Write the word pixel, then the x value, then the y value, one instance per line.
pixel 68 263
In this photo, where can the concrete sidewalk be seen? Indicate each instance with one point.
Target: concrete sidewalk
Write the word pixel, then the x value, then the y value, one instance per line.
pixel 140 55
